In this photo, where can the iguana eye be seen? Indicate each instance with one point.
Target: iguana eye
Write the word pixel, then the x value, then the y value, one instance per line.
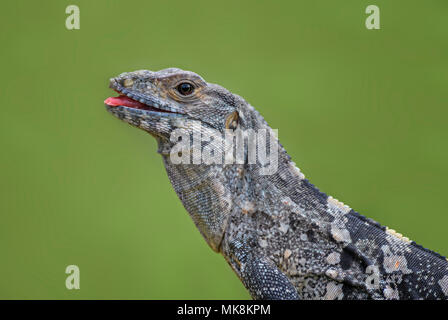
pixel 185 88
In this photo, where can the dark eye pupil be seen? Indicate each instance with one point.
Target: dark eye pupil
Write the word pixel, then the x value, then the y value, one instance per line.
pixel 185 88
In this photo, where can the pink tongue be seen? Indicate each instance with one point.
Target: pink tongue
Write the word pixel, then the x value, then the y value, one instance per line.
pixel 123 101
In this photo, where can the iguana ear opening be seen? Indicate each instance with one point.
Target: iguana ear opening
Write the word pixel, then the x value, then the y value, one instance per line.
pixel 232 120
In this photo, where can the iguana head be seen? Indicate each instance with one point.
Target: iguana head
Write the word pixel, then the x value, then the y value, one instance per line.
pixel 159 102
pixel 173 105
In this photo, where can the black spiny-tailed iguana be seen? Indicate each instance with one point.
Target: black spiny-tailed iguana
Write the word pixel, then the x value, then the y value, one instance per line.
pixel 283 237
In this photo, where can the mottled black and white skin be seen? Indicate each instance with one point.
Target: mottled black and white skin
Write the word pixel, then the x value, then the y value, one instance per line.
pixel 283 237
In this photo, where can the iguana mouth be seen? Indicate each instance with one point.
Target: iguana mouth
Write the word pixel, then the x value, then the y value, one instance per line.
pixel 125 101
pixel 134 100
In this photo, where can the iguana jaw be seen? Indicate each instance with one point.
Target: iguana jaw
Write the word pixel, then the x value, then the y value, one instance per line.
pixel 134 100
pixel 143 109
pixel 127 102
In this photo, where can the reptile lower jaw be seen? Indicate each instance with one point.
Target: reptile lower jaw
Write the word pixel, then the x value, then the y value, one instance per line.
pixel 128 102
pixel 124 101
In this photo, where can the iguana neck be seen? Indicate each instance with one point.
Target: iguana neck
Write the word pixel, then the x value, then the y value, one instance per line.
pixel 207 193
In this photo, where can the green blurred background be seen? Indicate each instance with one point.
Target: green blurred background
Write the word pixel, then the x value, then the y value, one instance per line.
pixel 362 112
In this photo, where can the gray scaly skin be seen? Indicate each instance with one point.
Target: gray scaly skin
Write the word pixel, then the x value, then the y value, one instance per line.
pixel 283 237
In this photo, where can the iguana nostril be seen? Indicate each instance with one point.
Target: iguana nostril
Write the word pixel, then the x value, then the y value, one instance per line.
pixel 128 83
